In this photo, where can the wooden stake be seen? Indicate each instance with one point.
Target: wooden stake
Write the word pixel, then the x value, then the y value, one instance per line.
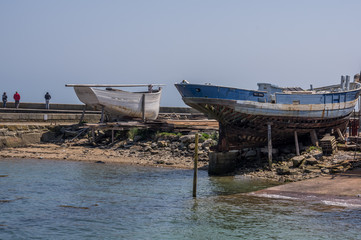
pixel 143 107
pixel 269 145
pixel 195 167
pixel 296 144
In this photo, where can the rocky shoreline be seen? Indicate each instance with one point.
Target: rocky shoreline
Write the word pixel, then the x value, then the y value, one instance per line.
pixel 163 149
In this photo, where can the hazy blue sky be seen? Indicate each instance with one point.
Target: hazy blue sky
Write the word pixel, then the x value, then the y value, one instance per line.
pixel 45 44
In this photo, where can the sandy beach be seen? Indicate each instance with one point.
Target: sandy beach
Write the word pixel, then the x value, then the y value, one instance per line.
pixel 343 190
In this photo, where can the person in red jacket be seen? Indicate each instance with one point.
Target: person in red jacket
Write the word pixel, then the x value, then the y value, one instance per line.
pixel 17 99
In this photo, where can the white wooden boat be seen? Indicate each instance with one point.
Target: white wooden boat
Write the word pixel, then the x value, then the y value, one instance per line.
pixel 119 104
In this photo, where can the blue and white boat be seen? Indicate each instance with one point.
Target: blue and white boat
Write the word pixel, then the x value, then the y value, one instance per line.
pixel 244 115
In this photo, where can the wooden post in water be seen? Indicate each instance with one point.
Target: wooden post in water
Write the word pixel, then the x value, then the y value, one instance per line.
pixel 296 144
pixel 269 145
pixel 143 108
pixel 195 167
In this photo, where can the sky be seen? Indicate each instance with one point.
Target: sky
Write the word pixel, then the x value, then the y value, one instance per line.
pixel 45 44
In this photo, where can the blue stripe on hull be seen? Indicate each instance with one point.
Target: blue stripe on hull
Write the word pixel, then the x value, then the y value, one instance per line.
pixel 217 92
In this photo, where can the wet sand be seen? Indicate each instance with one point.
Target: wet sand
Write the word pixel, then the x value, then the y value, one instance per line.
pixel 342 189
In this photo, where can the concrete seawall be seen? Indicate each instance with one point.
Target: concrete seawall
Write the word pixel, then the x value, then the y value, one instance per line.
pixel 58 113
pixel 80 107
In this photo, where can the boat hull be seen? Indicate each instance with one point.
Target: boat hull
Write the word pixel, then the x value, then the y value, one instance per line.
pixel 244 119
pixel 120 104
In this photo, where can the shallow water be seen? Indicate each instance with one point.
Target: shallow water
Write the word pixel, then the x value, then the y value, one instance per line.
pixel 44 199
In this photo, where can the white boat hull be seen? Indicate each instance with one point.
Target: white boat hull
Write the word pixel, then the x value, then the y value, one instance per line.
pixel 121 104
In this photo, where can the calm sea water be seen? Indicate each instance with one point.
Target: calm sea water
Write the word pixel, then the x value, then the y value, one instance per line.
pixel 44 199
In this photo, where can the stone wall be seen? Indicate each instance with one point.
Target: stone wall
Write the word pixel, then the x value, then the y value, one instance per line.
pixel 21 135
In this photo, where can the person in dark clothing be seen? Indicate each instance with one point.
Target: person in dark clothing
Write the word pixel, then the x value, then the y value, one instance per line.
pixel 5 99
pixel 47 100
pixel 17 99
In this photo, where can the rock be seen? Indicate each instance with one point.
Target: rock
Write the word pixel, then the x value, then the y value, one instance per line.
pixel 49 136
pixel 295 172
pixel 337 169
pixel 144 144
pixel 311 161
pixel 316 154
pixel 137 138
pixel 187 138
pixel 192 146
pixel 174 145
pixel 162 144
pixel 325 170
pixel 208 143
pixel 153 145
pixel 311 169
pixel 147 148
pixel 182 147
pixel 283 170
pixel 297 161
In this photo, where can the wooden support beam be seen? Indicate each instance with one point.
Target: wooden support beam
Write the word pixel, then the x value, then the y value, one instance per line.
pixel 340 134
pixel 269 135
pixel 314 138
pixel 296 144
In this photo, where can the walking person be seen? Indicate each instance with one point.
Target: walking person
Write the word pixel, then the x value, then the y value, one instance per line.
pixel 5 99
pixel 17 99
pixel 47 100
